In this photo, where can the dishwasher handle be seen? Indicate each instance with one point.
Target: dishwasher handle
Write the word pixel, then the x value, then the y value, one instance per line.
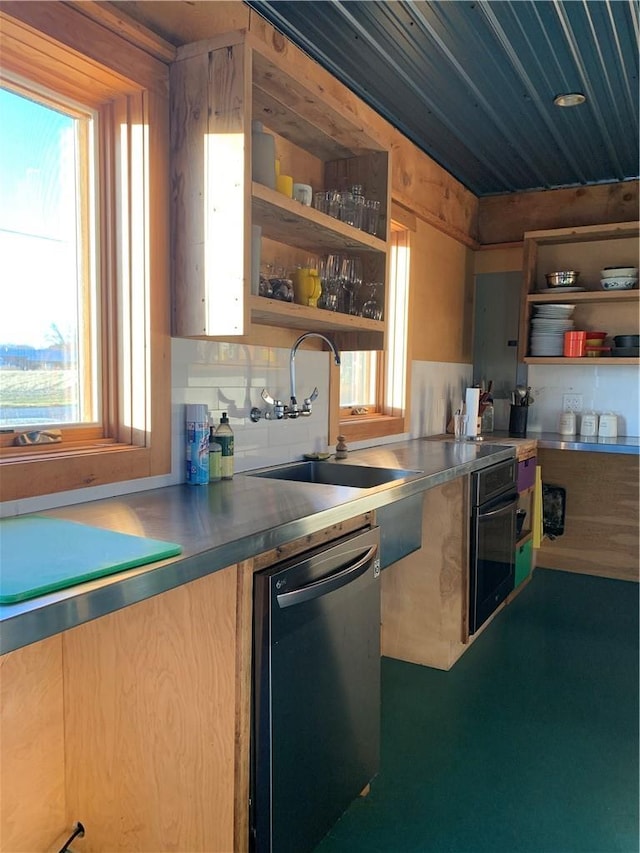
pixel 321 587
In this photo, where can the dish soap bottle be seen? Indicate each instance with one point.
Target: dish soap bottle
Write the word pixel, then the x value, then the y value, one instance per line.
pixel 215 457
pixel 224 437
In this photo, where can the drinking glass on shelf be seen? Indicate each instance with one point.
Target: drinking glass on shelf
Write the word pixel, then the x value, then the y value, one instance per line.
pixel 372 306
pixel 330 281
pixel 347 207
pixel 359 211
pixel 321 201
pixel 350 281
pixel 333 203
pixel 372 208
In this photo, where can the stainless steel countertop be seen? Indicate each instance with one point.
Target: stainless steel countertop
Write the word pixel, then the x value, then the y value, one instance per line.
pixel 628 444
pixel 625 444
pixel 229 521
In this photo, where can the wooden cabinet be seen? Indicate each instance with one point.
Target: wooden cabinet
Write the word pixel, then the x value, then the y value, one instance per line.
pixel 218 87
pixel 137 724
pixel 602 519
pixel 127 723
pixel 425 596
pixel 588 249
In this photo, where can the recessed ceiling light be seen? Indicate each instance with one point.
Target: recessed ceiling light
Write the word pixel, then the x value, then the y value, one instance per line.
pixel 571 99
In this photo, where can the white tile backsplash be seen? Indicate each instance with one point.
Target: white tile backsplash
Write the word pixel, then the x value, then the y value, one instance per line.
pixel 437 389
pixel 604 389
pixel 230 377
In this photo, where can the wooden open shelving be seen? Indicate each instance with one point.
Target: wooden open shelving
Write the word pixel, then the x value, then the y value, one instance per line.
pixel 587 249
pixel 219 88
pixel 600 296
pixel 273 312
pixel 287 221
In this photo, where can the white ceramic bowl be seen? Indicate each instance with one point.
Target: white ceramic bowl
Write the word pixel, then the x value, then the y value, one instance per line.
pixel 620 283
pixel 619 272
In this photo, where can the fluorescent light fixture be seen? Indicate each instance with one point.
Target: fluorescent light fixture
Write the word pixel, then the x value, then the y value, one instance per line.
pixel 571 99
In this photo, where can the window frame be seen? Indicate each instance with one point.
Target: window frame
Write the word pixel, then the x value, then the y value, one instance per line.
pixel 47 46
pixel 88 204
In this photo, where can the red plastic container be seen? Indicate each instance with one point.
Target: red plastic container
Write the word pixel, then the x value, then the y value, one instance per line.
pixel 574 344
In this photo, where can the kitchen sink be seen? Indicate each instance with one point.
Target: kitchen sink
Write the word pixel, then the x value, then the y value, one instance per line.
pixel 335 474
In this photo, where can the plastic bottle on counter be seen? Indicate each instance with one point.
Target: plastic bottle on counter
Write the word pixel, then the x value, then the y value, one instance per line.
pixel 197 450
pixel 224 437
pixel 215 457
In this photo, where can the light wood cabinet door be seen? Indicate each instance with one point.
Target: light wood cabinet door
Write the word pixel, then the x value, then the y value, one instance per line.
pixel 150 716
pixel 32 792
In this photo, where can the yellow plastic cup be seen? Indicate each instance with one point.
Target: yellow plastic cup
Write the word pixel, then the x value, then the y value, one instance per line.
pixel 284 185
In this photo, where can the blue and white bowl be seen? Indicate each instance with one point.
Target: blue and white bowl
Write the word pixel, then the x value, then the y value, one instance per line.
pixel 618 283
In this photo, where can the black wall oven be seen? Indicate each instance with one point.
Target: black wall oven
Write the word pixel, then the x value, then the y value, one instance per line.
pixel 494 501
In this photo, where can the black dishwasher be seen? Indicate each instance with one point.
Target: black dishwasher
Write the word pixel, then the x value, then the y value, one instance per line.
pixel 316 691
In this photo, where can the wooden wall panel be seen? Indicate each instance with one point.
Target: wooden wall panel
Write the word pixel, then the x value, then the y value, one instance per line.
pixel 32 798
pixel 93 41
pixel 497 258
pixel 182 23
pixel 150 713
pixel 424 595
pixel 602 527
pixel 505 218
pixel 441 297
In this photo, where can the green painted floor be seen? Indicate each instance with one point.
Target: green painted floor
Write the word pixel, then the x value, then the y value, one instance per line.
pixel 530 743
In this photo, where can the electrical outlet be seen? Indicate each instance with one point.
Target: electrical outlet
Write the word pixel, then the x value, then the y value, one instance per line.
pixel 572 402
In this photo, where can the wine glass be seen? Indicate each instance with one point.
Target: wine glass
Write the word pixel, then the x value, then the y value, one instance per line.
pixel 372 307
pixel 330 280
pixel 350 282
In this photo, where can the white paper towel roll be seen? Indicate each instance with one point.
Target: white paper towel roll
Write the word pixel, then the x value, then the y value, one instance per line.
pixel 472 404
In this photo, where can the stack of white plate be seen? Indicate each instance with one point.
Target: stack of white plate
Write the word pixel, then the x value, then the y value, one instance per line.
pixel 548 325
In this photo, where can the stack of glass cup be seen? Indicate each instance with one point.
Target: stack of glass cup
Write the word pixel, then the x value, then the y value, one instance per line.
pixel 345 290
pixel 350 206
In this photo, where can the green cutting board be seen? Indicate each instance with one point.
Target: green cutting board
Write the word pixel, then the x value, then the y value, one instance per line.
pixel 40 555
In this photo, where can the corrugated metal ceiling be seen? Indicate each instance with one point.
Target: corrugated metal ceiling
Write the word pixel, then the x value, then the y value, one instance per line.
pixel 472 83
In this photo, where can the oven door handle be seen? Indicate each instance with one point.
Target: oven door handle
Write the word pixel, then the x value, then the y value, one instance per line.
pixel 500 508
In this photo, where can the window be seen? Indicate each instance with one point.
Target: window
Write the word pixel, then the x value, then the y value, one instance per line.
pixel 48 239
pixel 373 383
pixel 93 225
pixel 359 381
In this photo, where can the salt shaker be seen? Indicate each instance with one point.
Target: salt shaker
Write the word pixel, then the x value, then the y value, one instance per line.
pixel 341 448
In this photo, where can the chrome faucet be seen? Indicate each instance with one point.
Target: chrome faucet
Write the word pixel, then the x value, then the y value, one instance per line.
pixel 294 411
pixel 280 410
